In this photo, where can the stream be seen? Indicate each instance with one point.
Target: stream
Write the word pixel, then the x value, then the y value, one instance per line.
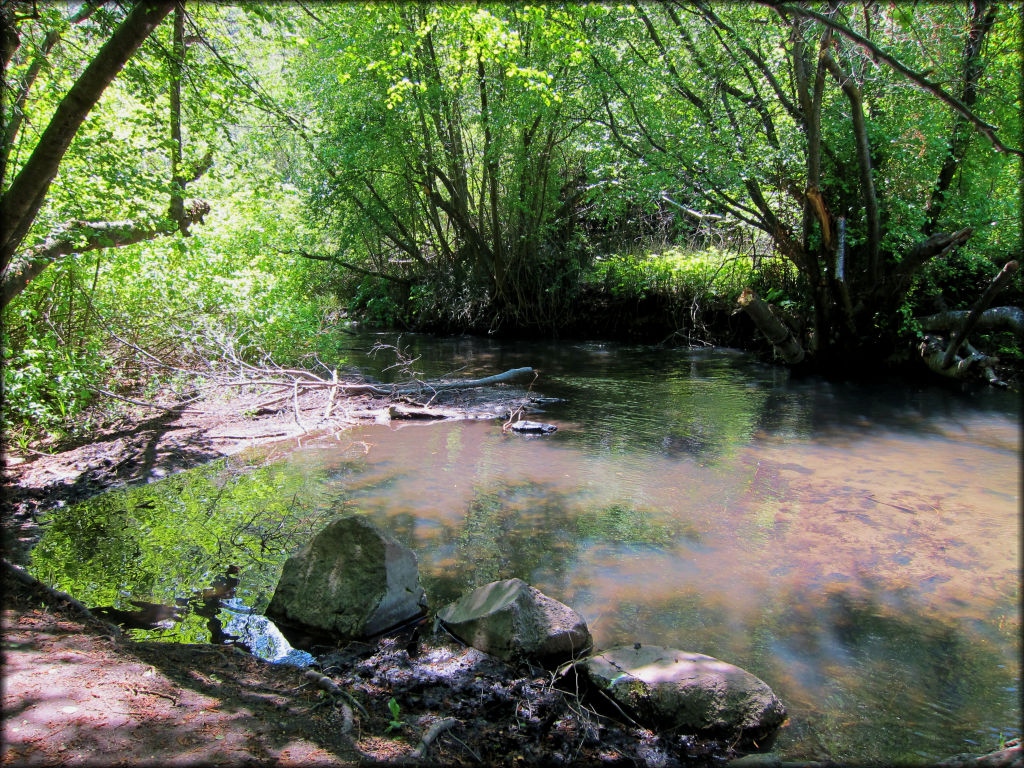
pixel 856 546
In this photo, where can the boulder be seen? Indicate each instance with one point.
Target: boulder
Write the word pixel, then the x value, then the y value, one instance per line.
pixel 351 581
pixel 668 689
pixel 514 621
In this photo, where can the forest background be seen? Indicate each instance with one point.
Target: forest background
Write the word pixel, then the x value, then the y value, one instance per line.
pixel 184 181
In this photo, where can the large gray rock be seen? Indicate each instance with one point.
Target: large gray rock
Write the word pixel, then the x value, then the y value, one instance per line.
pixel 352 581
pixel 667 689
pixel 514 621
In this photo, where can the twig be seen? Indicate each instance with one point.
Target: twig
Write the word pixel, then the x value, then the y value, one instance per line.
pixel 466 747
pixel 157 693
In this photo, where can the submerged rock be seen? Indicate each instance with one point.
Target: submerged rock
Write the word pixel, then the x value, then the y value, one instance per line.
pixel 668 689
pixel 532 427
pixel 352 581
pixel 514 621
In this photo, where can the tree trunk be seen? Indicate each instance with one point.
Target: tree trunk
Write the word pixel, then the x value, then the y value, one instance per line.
pixel 22 201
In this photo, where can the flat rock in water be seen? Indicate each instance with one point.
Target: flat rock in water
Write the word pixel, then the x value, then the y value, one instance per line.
pixel 668 689
pixel 514 621
pixel 352 581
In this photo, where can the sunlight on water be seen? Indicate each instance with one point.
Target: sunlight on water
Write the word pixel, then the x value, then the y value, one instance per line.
pixel 856 547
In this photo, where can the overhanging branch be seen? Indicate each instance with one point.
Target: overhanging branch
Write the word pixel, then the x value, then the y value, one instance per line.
pixel 986 129
pixel 84 236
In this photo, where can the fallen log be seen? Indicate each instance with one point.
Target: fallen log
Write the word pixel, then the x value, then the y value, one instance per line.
pixel 993 319
pixel 775 330
pixel 933 355
pixel 998 283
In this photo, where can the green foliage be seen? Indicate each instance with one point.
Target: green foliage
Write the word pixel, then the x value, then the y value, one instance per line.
pixel 229 277
pixel 396 723
pixel 624 524
pixel 166 540
pixel 952 282
pixel 377 302
pixel 709 276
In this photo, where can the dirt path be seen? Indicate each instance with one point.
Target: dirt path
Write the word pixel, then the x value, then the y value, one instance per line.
pixel 76 694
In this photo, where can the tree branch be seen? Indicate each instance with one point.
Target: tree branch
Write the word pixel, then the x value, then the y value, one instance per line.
pixel 20 204
pixel 342 263
pixel 83 236
pixel 867 181
pixel 986 129
pixel 998 283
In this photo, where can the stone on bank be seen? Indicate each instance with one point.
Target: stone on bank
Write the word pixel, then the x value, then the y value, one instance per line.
pixel 351 581
pixel 668 689
pixel 514 621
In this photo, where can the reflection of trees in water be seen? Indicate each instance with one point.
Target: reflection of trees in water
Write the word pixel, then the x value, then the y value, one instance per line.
pixel 814 406
pixel 510 530
pixel 671 415
pixel 862 670
pixel 526 530
pixel 160 541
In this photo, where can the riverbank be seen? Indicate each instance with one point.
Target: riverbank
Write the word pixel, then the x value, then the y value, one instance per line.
pixel 142 444
pixel 81 692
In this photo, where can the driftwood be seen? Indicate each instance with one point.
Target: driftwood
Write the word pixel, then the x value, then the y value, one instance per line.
pixel 994 319
pixel 778 333
pixel 998 283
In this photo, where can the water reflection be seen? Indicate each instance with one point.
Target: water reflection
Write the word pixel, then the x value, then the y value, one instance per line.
pixel 856 547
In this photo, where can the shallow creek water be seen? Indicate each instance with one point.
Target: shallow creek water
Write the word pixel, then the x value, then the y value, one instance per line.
pixel 855 546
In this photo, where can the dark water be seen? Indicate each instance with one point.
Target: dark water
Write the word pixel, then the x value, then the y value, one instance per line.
pixel 855 546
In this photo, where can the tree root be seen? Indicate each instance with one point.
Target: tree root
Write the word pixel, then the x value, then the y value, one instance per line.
pixel 431 735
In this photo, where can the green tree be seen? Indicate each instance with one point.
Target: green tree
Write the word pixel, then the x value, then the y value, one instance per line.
pixel 821 130
pixel 25 195
pixel 106 258
pixel 446 156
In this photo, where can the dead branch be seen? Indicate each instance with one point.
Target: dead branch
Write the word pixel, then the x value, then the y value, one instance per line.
pixel 431 735
pixel 992 319
pixel 155 406
pixel 998 283
pixel 777 332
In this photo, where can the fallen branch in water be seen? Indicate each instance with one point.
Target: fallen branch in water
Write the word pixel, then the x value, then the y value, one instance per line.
pixel 777 332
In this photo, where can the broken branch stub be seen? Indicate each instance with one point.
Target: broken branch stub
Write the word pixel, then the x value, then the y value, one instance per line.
pixel 777 332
